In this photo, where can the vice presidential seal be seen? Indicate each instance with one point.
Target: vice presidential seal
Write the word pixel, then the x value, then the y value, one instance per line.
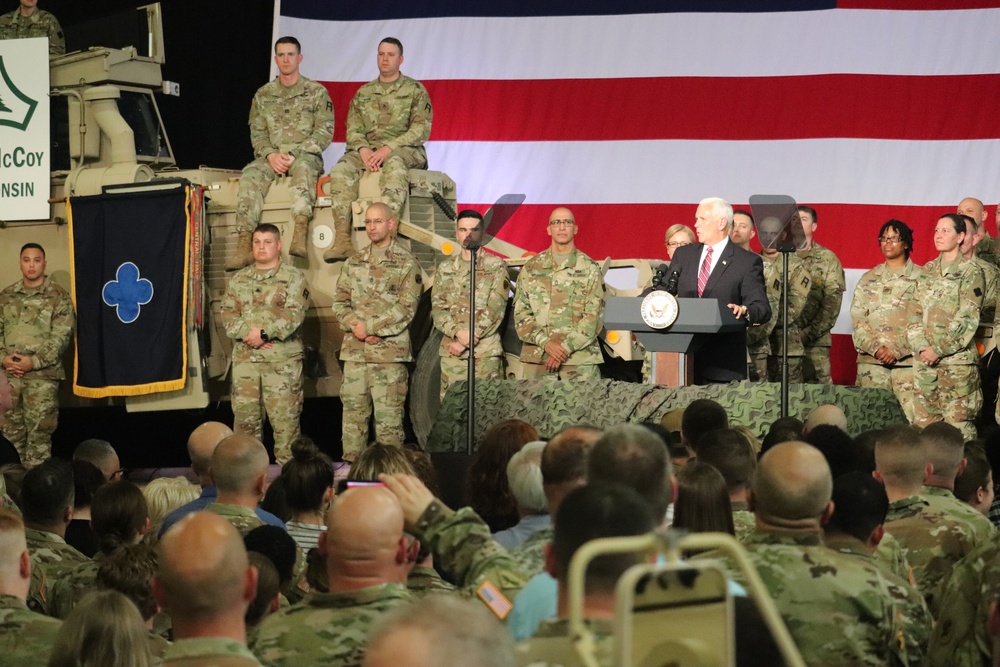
pixel 659 309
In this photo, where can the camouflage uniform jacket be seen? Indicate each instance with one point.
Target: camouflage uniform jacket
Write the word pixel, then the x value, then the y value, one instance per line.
pixel 880 312
pixel 393 114
pixel 991 279
pixel 553 645
pixel 801 281
pixel 840 610
pixel 295 119
pixel 329 629
pixel 450 302
pixel 243 518
pixel 208 652
pixel 274 300
pixel 383 292
pixel 988 249
pixel 561 302
pixel 848 544
pixel 945 501
pixel 26 638
pixel 960 637
pixel 71 587
pixel 465 552
pixel 53 553
pixel 945 315
pixel 744 522
pixel 826 294
pixel 932 542
pixel 425 580
pixel 39 24
pixel 530 556
pixel 36 322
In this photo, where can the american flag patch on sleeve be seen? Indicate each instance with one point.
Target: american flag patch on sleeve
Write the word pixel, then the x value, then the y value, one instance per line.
pixel 494 599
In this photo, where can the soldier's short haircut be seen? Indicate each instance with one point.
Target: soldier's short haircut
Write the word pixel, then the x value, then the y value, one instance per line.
pixel 469 213
pixel 392 40
pixel 458 632
pixel 860 505
pixel 634 456
pixel 279 547
pixel 564 458
pixel 31 246
pixel 900 456
pixel 726 450
pixel 12 541
pixel 268 586
pixel 47 491
pixel 129 570
pixel 267 228
pixel 904 231
pixel 957 222
pixel 237 463
pixel 976 474
pixel 97 452
pixel 944 448
pixel 782 430
pixel 287 39
pixel 810 210
pixel 701 416
pixel 838 448
pixel 600 510
pixel 743 211
pixel 524 476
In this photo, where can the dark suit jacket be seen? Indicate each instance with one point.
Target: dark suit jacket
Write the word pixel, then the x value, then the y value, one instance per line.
pixel 738 278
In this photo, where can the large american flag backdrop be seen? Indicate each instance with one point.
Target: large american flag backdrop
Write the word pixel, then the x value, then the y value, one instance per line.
pixel 632 111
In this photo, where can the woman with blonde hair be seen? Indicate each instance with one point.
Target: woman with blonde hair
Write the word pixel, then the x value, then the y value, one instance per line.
pixel 164 495
pixel 104 630
pixel 676 236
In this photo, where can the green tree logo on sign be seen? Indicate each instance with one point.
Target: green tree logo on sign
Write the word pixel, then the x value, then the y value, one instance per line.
pixel 16 108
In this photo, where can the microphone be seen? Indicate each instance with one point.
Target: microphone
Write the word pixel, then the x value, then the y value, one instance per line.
pixel 672 281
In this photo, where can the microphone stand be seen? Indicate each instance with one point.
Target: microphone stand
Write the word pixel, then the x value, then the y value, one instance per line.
pixel 471 383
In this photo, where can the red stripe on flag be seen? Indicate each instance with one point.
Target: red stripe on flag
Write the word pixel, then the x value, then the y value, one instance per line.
pixel 745 108
pixel 621 231
pixel 917 5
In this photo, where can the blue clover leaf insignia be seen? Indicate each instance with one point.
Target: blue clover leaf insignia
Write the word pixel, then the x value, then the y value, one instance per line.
pixel 127 293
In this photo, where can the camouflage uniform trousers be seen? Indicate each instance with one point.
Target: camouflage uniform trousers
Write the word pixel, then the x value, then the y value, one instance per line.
pixel 456 369
pixel 576 372
pixel 898 380
pixel 394 180
pixel 33 419
pixel 949 393
pixel 816 364
pixel 795 369
pixel 381 384
pixel 257 179
pixel 274 390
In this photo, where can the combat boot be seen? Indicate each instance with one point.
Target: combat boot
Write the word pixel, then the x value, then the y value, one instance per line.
pixel 299 236
pixel 243 255
pixel 342 247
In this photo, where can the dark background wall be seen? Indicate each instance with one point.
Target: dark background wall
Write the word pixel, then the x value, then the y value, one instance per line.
pixel 218 51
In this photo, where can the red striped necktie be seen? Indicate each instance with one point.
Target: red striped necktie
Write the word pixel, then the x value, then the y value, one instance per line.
pixel 706 270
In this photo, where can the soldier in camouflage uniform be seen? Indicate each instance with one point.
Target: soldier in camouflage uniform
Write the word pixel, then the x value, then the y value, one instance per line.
pixel 263 310
pixel 387 124
pixel 880 315
pixel 558 307
pixel 943 323
pixel 36 321
pixel 205 583
pixel 26 637
pixel 30 21
pixel 450 307
pixel 363 547
pixel 765 341
pixel 826 295
pixel 239 469
pixel 377 295
pixel 839 610
pixel 291 123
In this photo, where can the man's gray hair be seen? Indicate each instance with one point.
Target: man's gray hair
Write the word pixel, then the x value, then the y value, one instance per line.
pixel 524 475
pixel 722 207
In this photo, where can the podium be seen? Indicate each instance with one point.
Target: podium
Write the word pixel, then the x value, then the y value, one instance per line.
pixel 701 324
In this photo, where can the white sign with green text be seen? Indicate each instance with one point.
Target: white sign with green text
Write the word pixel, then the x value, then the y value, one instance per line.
pixel 24 129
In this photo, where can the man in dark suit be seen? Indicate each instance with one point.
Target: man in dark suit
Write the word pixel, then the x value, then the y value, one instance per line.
pixel 716 268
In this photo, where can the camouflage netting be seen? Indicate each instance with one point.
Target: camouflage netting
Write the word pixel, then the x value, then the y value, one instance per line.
pixel 551 405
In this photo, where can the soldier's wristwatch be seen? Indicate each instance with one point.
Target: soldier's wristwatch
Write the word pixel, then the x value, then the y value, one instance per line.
pixel 263 336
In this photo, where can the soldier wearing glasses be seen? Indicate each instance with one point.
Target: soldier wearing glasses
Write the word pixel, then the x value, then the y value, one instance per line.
pixel 882 299
pixel 558 307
